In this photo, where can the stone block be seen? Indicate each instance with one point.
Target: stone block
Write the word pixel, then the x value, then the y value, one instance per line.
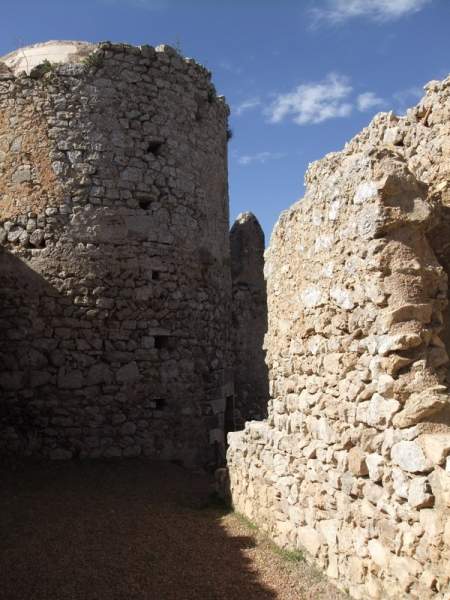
pixel 436 446
pixel 309 538
pixel 410 457
pixel 357 462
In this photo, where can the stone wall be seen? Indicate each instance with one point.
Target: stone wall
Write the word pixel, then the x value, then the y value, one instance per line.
pixel 249 318
pixel 115 285
pixel 353 462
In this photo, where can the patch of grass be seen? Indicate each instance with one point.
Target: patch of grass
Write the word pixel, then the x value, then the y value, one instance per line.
pixel 40 70
pixel 293 556
pixel 93 61
pixel 243 519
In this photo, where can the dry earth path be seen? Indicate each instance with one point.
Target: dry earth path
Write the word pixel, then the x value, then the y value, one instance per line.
pixel 134 530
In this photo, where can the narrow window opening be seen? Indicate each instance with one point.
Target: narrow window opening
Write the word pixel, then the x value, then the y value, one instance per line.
pixel 161 341
pixel 145 203
pixel 230 417
pixel 154 147
pixel 156 275
pixel 160 403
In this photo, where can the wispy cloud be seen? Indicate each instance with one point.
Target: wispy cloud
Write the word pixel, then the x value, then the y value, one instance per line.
pixel 246 105
pixel 312 103
pixel 260 157
pixel 340 11
pixel 368 101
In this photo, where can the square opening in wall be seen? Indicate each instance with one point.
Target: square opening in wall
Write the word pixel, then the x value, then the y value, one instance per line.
pixel 161 341
pixel 160 403
pixel 156 275
pixel 144 203
pixel 154 147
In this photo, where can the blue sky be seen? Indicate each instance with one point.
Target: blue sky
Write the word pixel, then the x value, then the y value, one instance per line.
pixel 301 76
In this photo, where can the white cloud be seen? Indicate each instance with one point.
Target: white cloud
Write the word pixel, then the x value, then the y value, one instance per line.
pixel 368 100
pixel 311 103
pixel 247 105
pixel 339 11
pixel 261 157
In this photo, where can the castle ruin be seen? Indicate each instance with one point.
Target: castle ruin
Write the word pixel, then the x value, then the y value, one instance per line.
pixel 353 463
pixel 130 328
pixel 115 297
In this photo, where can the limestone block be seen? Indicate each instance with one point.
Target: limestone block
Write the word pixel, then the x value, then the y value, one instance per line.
pixel 357 462
pixel 328 528
pixel 432 522
pixel 378 412
pixel 400 483
pixel 379 553
pixel 400 341
pixel 375 464
pixel 418 493
pixel 309 538
pixel 440 485
pixel 409 457
pixel 436 446
pixel 421 405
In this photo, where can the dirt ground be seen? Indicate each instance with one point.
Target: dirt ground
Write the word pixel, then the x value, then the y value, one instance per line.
pixel 135 530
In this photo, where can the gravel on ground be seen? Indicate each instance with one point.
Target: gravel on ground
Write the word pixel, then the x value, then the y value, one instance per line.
pixel 135 530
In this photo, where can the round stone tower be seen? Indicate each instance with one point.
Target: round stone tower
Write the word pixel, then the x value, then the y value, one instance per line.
pixel 114 260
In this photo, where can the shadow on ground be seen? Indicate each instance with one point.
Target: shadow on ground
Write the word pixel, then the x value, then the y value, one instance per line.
pixel 130 530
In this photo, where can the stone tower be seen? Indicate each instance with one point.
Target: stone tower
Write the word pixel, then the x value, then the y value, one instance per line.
pixel 249 321
pixel 115 287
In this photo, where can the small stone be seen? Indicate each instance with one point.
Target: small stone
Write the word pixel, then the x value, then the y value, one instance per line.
pixel 128 373
pixel 357 462
pixel 380 555
pixel 309 538
pixel 436 446
pixel 409 457
pixel 400 482
pixel 418 494
pixel 422 405
pixel 37 238
pixel 374 464
pixel 14 234
pixel 22 174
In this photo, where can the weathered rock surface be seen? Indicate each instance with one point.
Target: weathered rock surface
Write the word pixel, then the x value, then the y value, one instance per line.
pixel 358 425
pixel 115 283
pixel 249 319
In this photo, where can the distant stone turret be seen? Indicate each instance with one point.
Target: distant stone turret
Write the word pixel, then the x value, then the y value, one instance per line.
pixel 249 321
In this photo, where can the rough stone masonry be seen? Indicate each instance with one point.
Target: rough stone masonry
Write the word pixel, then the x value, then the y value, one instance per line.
pixel 249 322
pixel 115 284
pixel 353 463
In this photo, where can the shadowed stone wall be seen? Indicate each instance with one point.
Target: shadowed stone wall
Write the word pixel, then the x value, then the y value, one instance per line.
pixel 115 285
pixel 249 321
pixel 353 462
